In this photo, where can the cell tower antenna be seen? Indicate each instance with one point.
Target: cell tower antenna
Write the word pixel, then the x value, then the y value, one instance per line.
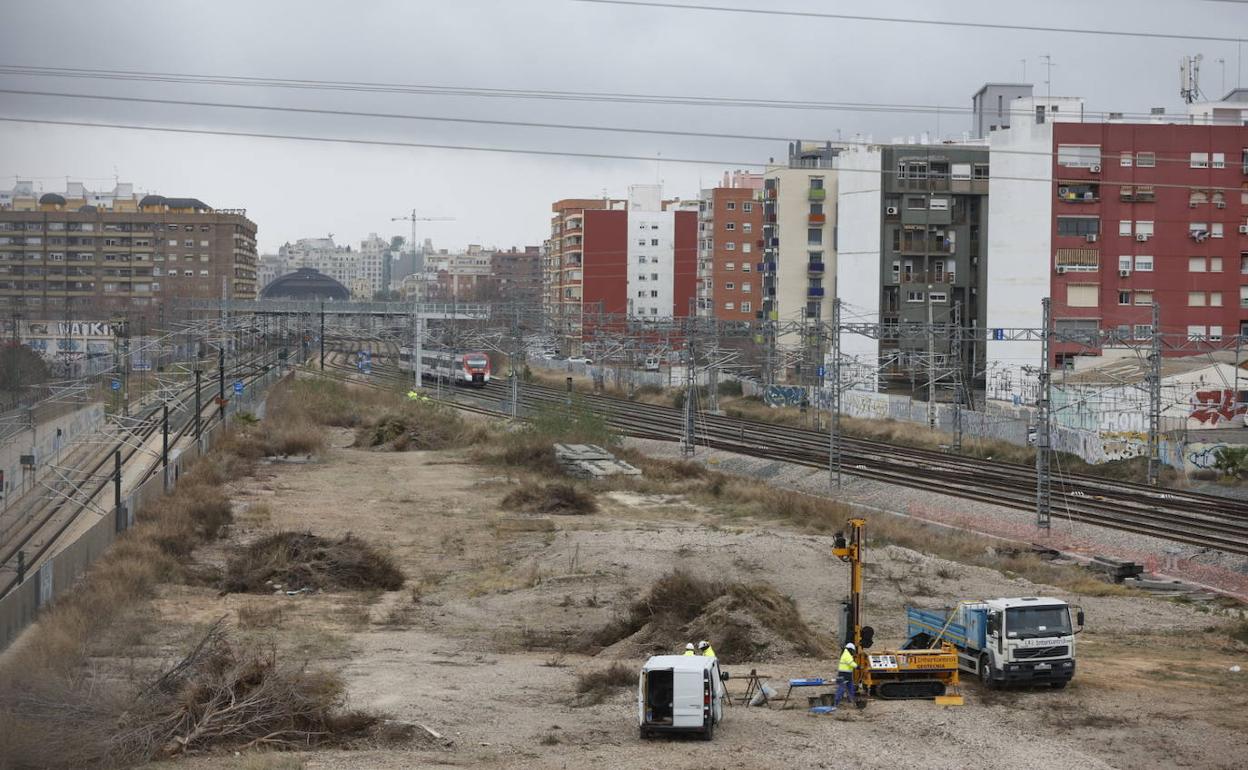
pixel 1189 78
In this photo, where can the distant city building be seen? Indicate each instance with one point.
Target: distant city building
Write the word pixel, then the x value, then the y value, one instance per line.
pixel 464 276
pixel 81 253
pixel 912 247
pixel 991 106
pixel 306 284
pixel 1107 219
pixel 730 233
pixel 372 275
pixel 518 276
pixel 611 261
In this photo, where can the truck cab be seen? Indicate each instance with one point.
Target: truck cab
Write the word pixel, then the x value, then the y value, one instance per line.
pixel 680 694
pixel 1016 640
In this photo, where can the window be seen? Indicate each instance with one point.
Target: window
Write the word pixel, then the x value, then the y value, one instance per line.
pixel 961 172
pixel 1215 333
pixel 731 205
pixel 1143 330
pixel 1124 263
pixel 1243 296
pixel 816 183
pixel 1144 264
pixel 1146 159
pixel 981 171
pixel 173 242
pixel 1215 299
pixel 1143 297
pixel 1082 294
pixel 747 206
pixel 654 293
pixel 190 228
pixel 203 272
pixel 1144 227
pixel 1216 232
pixel 746 307
pixel 1124 298
pixel 1195 299
pixel 1243 264
pixel 1195 332
pixel 1195 264
pixel 1200 160
pixel 1124 160
pixel 940 204
pixel 654 276
pixel 1078 226
pixel 1198 229
pixel 938 296
pixel 188 273
pixel 730 225
pixel 730 246
pixel 746 286
pixel 1078 155
pixel 729 305
pixel 747 227
pixel 171 227
pixel 203 228
pixel 654 241
pixel 914 203
pixel 1219 160
pixel 641 294
pixel 814 236
pixel 1215 264
pixel 747 247
pixel 729 286
pixel 914 296
pixel 203 244
pixel 654 227
pixel 641 241
pixel 730 266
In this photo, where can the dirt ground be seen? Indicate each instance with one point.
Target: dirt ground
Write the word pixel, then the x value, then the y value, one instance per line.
pixel 464 648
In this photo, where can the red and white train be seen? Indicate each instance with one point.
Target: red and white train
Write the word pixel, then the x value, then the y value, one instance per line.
pixel 469 368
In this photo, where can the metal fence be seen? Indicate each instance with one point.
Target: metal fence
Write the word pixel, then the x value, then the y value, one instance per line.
pixel 57 574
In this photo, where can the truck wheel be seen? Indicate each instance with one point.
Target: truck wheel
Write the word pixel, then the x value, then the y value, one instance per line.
pixel 985 673
pixel 1058 685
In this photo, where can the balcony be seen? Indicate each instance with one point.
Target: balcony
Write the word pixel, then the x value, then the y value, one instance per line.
pixel 814 267
pixel 817 194
pixel 933 276
pixel 814 291
pixel 817 219
pixel 1079 193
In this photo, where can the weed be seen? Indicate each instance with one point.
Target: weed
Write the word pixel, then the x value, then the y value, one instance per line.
pixel 557 498
pixel 296 560
pixel 549 739
pixel 595 686
pixel 259 615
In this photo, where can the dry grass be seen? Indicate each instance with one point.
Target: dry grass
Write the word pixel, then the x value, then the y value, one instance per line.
pixel 679 607
pixel 421 425
pixel 301 560
pixel 595 686
pixel 257 615
pixel 556 498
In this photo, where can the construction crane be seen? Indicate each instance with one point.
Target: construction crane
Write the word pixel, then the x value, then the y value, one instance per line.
pixel 889 674
pixel 414 219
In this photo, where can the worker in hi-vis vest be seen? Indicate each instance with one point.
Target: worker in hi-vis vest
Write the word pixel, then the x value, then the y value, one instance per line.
pixel 689 649
pixel 845 675
pixel 706 649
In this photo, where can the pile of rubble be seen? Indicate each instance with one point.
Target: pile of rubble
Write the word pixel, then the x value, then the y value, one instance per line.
pixel 590 461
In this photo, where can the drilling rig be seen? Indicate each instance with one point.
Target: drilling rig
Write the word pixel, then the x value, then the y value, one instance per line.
pixel 889 674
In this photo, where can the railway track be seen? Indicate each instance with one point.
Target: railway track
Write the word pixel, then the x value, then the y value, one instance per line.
pixel 1175 515
pixel 96 476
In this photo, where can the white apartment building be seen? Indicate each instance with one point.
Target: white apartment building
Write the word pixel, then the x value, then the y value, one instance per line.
pixel 860 208
pixel 371 275
pixel 651 253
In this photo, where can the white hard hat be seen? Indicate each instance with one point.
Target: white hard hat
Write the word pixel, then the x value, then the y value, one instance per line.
pixel 689 646
pixel 850 646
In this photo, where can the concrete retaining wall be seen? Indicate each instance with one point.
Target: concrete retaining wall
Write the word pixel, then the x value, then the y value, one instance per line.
pixel 43 442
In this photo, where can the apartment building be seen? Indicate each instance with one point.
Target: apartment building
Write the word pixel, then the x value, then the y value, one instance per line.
pixel 730 226
pixel 460 276
pixel 373 274
pixel 1108 218
pixel 518 275
pixel 60 254
pixel 912 248
pixel 617 260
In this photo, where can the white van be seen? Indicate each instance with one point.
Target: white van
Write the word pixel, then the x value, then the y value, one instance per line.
pixel 680 693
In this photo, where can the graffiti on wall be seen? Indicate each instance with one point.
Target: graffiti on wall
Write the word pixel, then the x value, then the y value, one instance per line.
pixel 1211 407
pixel 1203 457
pixel 784 395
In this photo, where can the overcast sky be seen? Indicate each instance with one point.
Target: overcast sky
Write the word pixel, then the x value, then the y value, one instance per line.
pixel 296 189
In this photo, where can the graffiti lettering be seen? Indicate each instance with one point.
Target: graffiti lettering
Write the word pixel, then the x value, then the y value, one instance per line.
pixel 781 395
pixel 1214 406
pixel 1205 458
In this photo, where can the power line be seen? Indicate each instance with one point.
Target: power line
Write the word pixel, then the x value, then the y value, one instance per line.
pixel 539 152
pixel 514 123
pixel 928 22
pixel 507 93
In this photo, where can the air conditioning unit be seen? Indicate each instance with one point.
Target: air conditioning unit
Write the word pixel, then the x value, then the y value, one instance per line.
pixel 1124 273
pixel 891 211
pixel 1063 191
pixel 1243 229
pixel 1061 271
pixel 1091 238
pixel 1141 237
pixel 1219 204
pixel 1095 168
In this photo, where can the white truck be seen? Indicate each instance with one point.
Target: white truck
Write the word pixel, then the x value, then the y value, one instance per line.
pixel 1018 640
pixel 680 694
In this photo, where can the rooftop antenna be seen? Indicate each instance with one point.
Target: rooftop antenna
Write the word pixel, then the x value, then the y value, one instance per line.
pixel 1048 75
pixel 1189 77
